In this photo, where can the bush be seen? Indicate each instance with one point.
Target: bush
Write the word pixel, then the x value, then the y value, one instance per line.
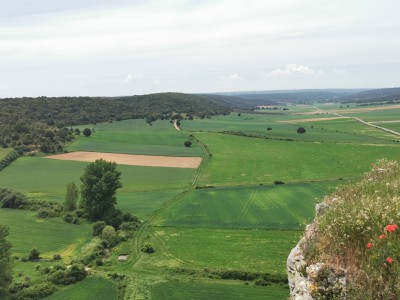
pixel 278 182
pixel 66 276
pixel 12 199
pixel 148 248
pixel 36 292
pixel 34 255
pixel 98 227
pixel 301 130
pixel 187 143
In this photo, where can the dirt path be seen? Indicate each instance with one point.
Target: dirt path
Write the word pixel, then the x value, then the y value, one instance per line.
pixel 365 122
pixel 133 160
pixel 176 125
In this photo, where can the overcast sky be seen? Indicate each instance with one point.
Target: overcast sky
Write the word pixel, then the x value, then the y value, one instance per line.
pixel 121 47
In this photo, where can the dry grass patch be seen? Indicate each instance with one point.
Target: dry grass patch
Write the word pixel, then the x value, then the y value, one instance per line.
pixel 132 160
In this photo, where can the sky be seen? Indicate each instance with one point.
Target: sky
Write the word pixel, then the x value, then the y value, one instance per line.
pixel 132 47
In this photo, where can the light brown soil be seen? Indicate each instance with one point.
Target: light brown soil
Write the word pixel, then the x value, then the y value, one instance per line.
pixel 313 120
pixel 132 160
pixel 385 122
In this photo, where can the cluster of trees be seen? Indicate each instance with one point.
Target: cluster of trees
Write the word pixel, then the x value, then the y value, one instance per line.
pixel 100 182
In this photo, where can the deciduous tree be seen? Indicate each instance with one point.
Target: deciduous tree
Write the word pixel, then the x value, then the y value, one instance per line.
pixel 100 182
pixel 5 262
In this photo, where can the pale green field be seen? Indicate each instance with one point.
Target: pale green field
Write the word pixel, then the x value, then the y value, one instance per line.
pixel 274 207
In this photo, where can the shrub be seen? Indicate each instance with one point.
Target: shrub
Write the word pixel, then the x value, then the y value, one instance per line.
pixel 98 227
pixel 301 130
pixel 148 248
pixel 187 143
pixel 34 255
pixel 38 291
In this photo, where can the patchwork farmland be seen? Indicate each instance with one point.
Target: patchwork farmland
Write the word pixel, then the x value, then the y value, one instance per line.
pixel 238 212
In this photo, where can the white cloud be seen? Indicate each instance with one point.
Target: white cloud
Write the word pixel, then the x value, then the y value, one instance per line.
pixel 234 76
pixel 141 78
pixel 3 87
pixel 294 70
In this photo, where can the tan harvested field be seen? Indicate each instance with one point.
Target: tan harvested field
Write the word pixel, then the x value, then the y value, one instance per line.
pixel 313 120
pixel 132 160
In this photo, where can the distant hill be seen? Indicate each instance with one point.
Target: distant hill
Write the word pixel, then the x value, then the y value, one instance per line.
pixel 370 96
pixel 290 96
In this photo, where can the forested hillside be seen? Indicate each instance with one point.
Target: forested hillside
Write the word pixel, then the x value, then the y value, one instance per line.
pixel 40 123
pixel 370 96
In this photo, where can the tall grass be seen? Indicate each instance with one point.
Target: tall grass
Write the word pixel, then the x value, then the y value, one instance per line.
pixel 359 233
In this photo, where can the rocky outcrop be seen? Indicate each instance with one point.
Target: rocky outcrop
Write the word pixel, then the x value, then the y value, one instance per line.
pixel 314 281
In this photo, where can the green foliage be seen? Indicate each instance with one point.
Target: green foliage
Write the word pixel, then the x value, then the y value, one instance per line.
pixel 12 199
pixel 9 158
pixel 100 182
pixel 148 248
pixel 34 254
pixel 36 292
pixel 87 132
pixel 67 276
pixel 301 130
pixel 110 237
pixel 187 143
pixel 71 197
pixel 98 227
pixel 6 262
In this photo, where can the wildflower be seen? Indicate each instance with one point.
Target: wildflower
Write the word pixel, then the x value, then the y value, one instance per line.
pixel 389 260
pixel 382 236
pixel 369 245
pixel 391 227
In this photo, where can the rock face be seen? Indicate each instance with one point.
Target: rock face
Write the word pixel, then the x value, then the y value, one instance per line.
pixel 314 281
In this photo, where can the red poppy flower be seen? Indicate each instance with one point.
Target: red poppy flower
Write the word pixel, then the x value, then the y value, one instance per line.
pixel 391 227
pixel 369 245
pixel 389 260
pixel 382 236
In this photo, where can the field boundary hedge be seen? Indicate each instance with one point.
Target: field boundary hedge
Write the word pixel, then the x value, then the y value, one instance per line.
pixel 10 157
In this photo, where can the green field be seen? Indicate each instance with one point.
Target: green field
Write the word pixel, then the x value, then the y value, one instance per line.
pixel 136 137
pixel 273 207
pixel 96 288
pixel 264 161
pixel 210 290
pixel 47 178
pixel 49 236
pixel 228 249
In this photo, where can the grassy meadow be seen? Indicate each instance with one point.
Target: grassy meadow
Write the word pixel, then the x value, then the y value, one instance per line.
pixel 227 215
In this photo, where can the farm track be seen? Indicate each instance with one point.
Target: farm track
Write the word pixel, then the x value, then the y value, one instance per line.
pixel 361 121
